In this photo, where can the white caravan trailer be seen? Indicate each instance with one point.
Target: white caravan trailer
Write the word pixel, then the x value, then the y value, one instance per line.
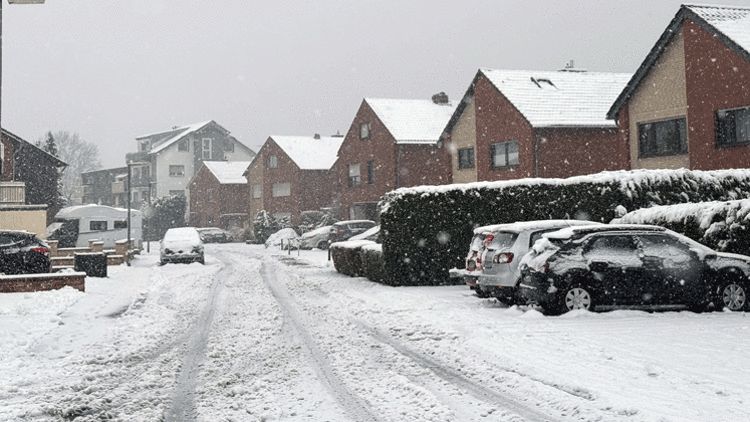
pixel 75 226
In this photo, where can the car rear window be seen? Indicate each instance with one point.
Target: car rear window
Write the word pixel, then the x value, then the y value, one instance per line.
pixel 503 240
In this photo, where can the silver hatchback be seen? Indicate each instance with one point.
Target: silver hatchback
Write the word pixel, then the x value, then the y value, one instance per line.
pixel 500 274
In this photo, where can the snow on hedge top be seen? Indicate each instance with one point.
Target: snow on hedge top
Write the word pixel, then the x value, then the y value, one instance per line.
pixel 732 21
pixel 412 121
pixel 310 153
pixel 228 172
pixel 705 212
pixel 629 181
pixel 561 98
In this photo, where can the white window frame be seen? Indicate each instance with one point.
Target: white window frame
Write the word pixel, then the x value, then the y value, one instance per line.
pixel 257 191
pixel 354 175
pixel 206 148
pixel 273 162
pixel 509 160
pixel 176 170
pixel 364 131
pixel 281 189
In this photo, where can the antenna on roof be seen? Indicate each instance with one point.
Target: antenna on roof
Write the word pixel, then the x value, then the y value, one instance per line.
pixel 571 67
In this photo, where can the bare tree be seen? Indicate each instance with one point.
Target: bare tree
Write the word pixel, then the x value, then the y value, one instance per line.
pixel 81 157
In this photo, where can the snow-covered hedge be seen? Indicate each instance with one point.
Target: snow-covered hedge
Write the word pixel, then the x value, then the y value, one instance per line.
pixel 427 229
pixel 724 226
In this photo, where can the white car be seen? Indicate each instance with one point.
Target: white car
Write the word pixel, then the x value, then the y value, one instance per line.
pixel 317 238
pixel 499 274
pixel 182 244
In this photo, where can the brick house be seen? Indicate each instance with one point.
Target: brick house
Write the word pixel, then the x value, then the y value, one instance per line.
pixel 219 195
pixel 391 143
pixel 513 124
pixel 292 174
pixel 688 104
pixel 105 187
pixel 28 179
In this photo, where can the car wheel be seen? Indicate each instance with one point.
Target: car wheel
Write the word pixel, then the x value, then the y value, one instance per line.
pixel 732 295
pixel 575 297
pixel 322 245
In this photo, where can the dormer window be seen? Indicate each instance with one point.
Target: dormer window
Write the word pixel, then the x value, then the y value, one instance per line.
pixel 145 145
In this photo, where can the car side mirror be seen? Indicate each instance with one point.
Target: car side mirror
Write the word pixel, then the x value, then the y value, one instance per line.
pixel 598 266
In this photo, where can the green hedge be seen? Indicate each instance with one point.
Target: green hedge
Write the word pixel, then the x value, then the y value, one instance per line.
pixel 723 226
pixel 373 265
pixel 426 230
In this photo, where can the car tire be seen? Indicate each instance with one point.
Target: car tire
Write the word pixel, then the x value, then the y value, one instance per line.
pixel 731 294
pixel 322 245
pixel 574 297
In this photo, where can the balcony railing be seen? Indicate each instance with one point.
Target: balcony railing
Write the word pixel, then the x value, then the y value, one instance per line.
pixel 12 193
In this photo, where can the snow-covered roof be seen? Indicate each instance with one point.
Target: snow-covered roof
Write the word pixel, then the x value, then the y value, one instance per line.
pixel 166 138
pixel 412 121
pixel 310 153
pixel 228 172
pixel 560 98
pixel 729 24
pixel 93 210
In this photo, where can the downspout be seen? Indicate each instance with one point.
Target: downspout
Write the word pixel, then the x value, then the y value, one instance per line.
pixel 536 156
pixel 398 166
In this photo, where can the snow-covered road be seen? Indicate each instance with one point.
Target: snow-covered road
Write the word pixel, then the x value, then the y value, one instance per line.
pixel 260 335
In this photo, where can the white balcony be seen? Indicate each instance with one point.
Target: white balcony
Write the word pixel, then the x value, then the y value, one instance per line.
pixel 12 193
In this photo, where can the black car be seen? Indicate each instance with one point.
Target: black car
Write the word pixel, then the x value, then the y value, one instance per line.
pixel 21 252
pixel 343 230
pixel 631 266
pixel 213 235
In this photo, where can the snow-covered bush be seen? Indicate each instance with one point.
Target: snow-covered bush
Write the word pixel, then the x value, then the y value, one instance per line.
pixel 373 264
pixel 264 225
pixel 426 229
pixel 287 236
pixel 724 226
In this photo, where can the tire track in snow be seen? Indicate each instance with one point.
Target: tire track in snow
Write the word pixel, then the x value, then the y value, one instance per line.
pixel 183 406
pixel 455 378
pixel 355 406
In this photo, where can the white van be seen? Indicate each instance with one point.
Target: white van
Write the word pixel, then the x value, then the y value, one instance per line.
pixel 75 226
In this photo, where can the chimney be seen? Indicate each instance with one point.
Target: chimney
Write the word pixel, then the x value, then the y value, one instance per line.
pixel 316 136
pixel 337 135
pixel 440 98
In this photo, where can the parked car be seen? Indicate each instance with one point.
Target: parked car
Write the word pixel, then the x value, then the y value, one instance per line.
pixel 631 266
pixel 182 244
pixel 317 238
pixel 213 235
pixel 473 263
pixel 497 272
pixel 22 252
pixel 346 255
pixel 285 238
pixel 344 230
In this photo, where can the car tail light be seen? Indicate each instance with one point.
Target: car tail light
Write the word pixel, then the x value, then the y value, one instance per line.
pixel 489 238
pixel 545 267
pixel 40 250
pixel 503 258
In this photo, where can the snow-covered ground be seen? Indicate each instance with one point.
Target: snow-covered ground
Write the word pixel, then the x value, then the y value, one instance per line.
pixel 262 335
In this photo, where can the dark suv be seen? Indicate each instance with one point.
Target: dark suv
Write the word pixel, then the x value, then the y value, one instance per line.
pixel 631 266
pixel 21 252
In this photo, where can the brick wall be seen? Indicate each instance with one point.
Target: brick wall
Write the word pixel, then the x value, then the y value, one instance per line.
pixel 39 282
pixel 717 78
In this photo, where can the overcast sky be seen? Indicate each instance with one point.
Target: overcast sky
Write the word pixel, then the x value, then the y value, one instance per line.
pixel 114 70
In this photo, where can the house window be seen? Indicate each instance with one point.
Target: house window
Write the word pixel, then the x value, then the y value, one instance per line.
pixel 364 131
pixel 176 171
pixel 135 196
pixel 228 146
pixel 466 158
pixel 659 139
pixel 97 226
pixel 206 149
pixel 353 175
pixel 370 172
pixel 504 154
pixel 144 145
pixel 281 189
pixel 272 162
pixel 733 127
pixel 256 191
pixel 177 193
pixel 146 172
pixel 183 145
